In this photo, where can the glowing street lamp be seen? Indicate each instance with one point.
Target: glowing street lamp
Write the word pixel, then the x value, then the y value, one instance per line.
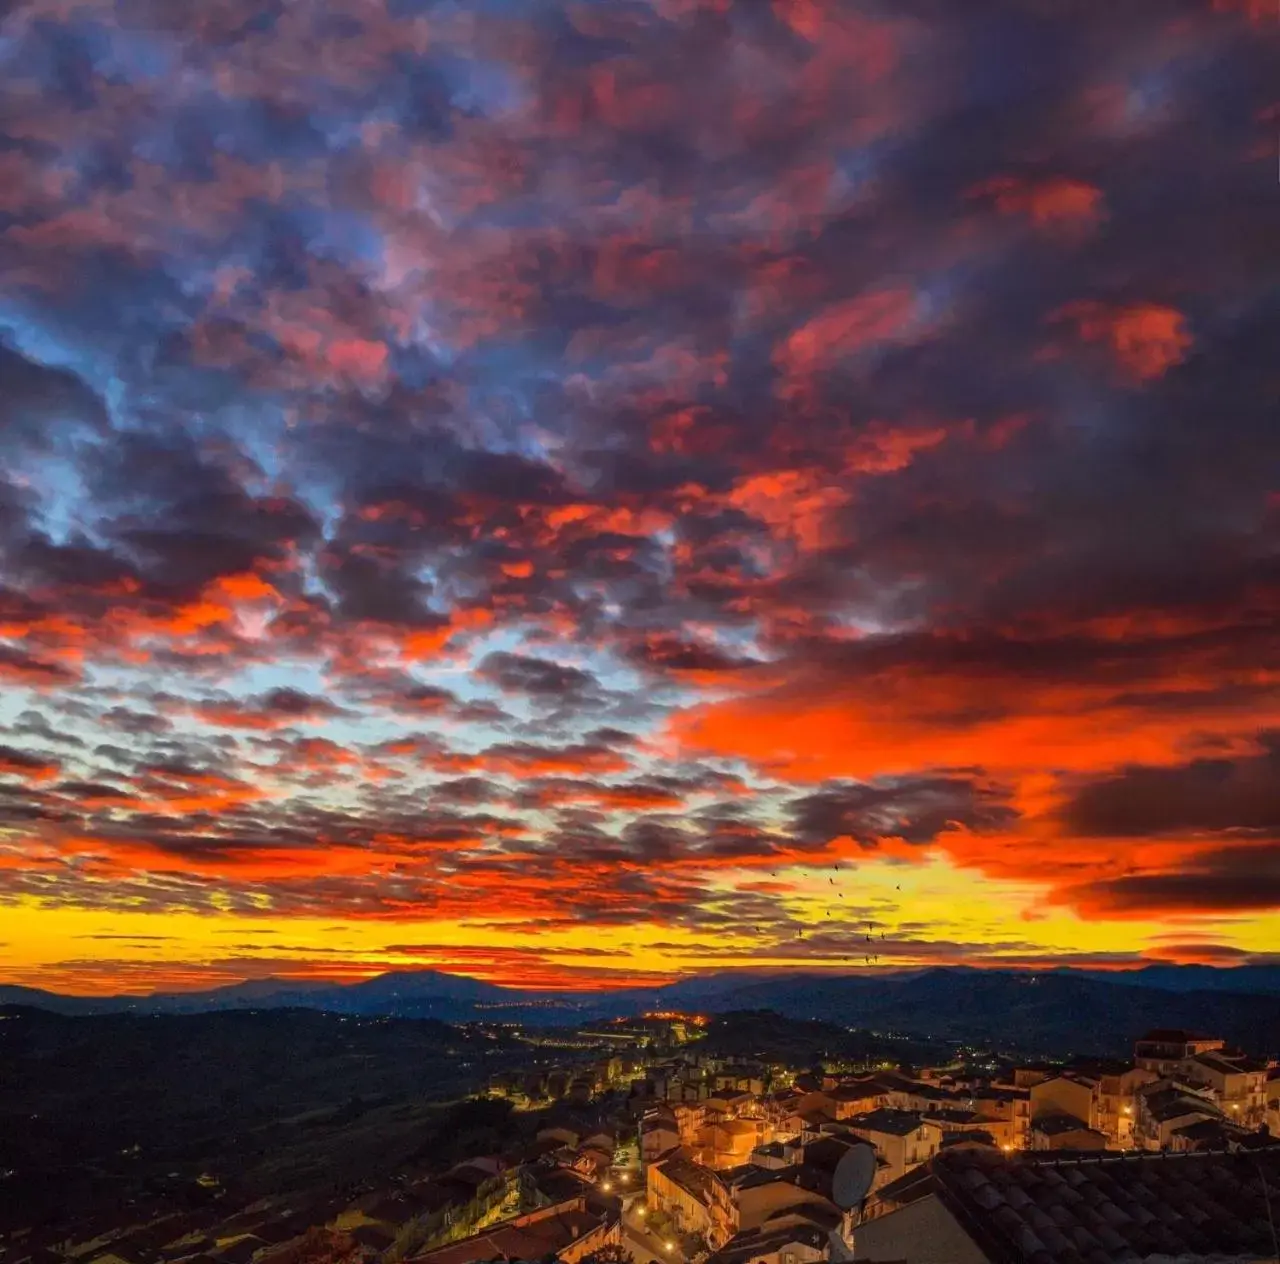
pixel 668 1246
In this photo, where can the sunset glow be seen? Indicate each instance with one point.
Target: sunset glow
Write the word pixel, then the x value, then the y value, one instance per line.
pixel 580 494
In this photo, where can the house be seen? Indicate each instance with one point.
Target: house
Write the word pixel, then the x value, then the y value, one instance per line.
pixel 543 1185
pixel 1065 1132
pixel 1238 1084
pixel 731 1103
pixel 599 1139
pixel 592 1163
pixel 895 1195
pixel 692 1197
pixel 984 1207
pixel 659 1135
pixel 767 1197
pixel 1117 1084
pixel 797 1243
pixel 1009 1110
pixel 820 1101
pixel 1071 1094
pixel 1209 1134
pixel 689 1117
pixel 856 1098
pixel 1166 1106
pixel 569 1231
pixel 1163 1050
pixel 771 1156
pixel 759 1194
pixel 901 1138
pixel 727 1143
pixel 742 1078
pixel 955 1121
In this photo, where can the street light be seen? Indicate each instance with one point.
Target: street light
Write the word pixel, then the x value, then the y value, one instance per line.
pixel 667 1246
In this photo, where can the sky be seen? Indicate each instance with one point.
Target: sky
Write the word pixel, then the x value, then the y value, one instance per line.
pixel 579 493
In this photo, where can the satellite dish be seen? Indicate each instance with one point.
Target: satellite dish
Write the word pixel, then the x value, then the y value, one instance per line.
pixel 853 1176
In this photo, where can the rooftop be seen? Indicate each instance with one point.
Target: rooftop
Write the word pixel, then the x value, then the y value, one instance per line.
pixel 690 1176
pixel 1172 1036
pixel 1172 1104
pixel 753 1243
pixel 749 1176
pixel 1057 1124
pixel 530 1237
pixel 1227 1065
pixel 898 1123
pixel 1111 1209
pixel 916 1184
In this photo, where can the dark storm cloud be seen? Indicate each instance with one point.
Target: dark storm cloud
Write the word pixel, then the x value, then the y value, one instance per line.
pixel 1235 879
pixel 916 810
pixel 1203 797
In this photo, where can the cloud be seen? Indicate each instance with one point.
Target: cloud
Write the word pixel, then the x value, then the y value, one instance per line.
pixel 1221 879
pixel 28 766
pixel 561 466
pixel 541 679
pixel 1206 796
pixel 277 708
pixel 915 810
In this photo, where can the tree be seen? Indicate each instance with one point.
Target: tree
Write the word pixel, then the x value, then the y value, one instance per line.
pixel 610 1253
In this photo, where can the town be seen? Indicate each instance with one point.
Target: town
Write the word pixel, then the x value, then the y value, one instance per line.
pixel 645 1147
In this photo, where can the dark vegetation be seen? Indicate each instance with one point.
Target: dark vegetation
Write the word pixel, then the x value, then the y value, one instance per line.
pixel 100 1111
pixel 799 1042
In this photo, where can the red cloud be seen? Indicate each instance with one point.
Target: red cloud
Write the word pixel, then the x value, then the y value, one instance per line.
pixel 845 328
pixel 1147 339
pixel 1057 204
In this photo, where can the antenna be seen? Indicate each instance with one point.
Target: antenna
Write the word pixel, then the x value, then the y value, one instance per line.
pixel 852 1178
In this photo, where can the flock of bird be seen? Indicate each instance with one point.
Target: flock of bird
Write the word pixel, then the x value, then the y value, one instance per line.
pixel 870 958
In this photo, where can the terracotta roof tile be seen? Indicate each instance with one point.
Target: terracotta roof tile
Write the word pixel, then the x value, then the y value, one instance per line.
pixel 1114 1208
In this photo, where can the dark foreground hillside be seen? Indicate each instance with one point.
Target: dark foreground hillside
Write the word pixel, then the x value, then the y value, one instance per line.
pixel 97 1111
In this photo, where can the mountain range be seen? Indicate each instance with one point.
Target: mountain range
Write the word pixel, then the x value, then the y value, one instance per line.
pixel 1061 1010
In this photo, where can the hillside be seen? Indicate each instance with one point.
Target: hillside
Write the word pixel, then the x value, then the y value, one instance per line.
pixel 264 1101
pixel 1054 1011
